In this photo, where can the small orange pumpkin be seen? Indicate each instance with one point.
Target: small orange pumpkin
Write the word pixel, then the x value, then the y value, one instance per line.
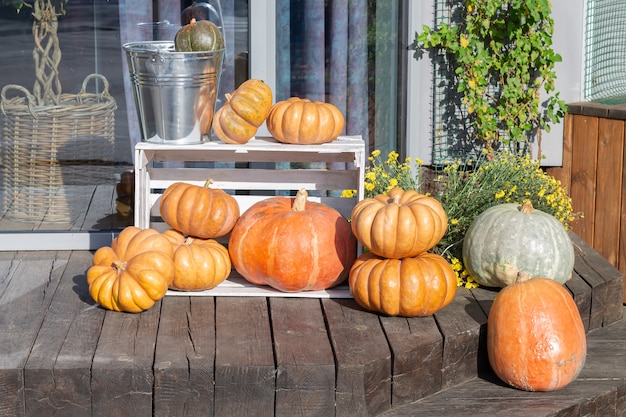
pixel 302 121
pixel 399 224
pixel 535 336
pixel 292 244
pixel 197 211
pixel 134 272
pixel 199 264
pixel 409 287
pixel 245 110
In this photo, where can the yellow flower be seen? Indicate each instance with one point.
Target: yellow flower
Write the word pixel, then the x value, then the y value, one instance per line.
pixel 541 192
pixel 348 193
pixel 418 161
pixel 375 153
pixel 499 194
pixel 392 183
pixel 369 186
pixel 471 83
pixel 454 221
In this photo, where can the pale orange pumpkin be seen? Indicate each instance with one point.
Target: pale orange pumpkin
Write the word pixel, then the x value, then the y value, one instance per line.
pixel 133 273
pixel 197 211
pixel 302 121
pixel 399 224
pixel 409 287
pixel 199 264
pixel 292 244
pixel 535 336
pixel 245 110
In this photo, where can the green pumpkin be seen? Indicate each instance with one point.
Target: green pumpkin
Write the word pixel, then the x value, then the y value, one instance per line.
pixel 509 238
pixel 199 36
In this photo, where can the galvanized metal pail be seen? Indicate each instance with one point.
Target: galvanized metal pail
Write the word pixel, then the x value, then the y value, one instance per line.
pixel 174 92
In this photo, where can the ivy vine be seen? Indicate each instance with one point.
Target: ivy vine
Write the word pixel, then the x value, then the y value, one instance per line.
pixel 503 61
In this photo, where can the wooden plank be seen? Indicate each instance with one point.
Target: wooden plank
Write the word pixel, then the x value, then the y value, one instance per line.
pixel 23 305
pixel 244 359
pixel 57 373
pixel 73 200
pixel 305 365
pixel 363 359
pixel 463 325
pixel 99 214
pixel 581 293
pixel 605 282
pixel 121 375
pixel 584 166
pixel 609 185
pixel 184 357
pixel 417 347
pixel 484 296
pixel 621 263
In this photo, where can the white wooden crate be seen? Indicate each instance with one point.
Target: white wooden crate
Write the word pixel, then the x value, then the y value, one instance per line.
pixel 249 172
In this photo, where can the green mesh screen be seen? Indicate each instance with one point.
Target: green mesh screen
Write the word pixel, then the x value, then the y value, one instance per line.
pixel 605 51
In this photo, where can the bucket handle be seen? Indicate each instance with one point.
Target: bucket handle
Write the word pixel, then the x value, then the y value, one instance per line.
pixel 29 98
pixel 105 89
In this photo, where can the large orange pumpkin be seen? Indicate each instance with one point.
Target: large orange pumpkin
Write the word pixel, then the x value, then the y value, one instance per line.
pixel 399 224
pixel 133 273
pixel 409 287
pixel 197 211
pixel 292 244
pixel 535 337
pixel 302 121
pixel 199 264
pixel 245 110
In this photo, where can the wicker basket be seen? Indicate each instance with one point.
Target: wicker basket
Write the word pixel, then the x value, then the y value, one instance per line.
pixel 47 147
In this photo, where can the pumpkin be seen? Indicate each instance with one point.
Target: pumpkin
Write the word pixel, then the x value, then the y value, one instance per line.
pixel 535 337
pixel 399 224
pixel 199 11
pixel 302 121
pixel 199 36
pixel 199 264
pixel 409 287
pixel 134 272
pixel 199 211
pixel 245 110
pixel 509 238
pixel 292 244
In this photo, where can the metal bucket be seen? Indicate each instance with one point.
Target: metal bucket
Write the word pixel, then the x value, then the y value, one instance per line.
pixel 174 92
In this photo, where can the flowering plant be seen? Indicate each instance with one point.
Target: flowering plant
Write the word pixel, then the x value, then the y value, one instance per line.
pixel 467 189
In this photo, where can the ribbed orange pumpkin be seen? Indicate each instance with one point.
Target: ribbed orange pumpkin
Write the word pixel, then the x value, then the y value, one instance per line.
pixel 134 272
pixel 399 224
pixel 535 337
pixel 409 287
pixel 238 120
pixel 199 264
pixel 197 211
pixel 302 121
pixel 292 244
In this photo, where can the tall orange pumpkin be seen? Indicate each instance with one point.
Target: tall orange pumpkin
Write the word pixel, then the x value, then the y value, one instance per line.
pixel 409 287
pixel 399 224
pixel 133 273
pixel 197 211
pixel 302 121
pixel 535 337
pixel 292 244
pixel 245 110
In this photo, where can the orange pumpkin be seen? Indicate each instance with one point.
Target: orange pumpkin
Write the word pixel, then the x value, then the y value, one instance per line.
pixel 409 287
pixel 292 244
pixel 197 211
pixel 302 121
pixel 399 224
pixel 133 273
pixel 245 110
pixel 535 337
pixel 199 264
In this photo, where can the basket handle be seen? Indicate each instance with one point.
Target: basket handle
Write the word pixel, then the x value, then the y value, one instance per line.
pixel 105 89
pixel 29 97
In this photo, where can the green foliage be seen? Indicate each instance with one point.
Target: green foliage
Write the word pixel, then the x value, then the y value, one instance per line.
pixel 19 4
pixel 503 60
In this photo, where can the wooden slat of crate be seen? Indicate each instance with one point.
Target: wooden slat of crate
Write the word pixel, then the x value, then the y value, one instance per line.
pixel 581 293
pixel 305 364
pixel 363 359
pixel 244 359
pixel 184 357
pixel 584 168
pixel 57 373
pixel 608 211
pixel 29 280
pixel 119 388
pixel 417 347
